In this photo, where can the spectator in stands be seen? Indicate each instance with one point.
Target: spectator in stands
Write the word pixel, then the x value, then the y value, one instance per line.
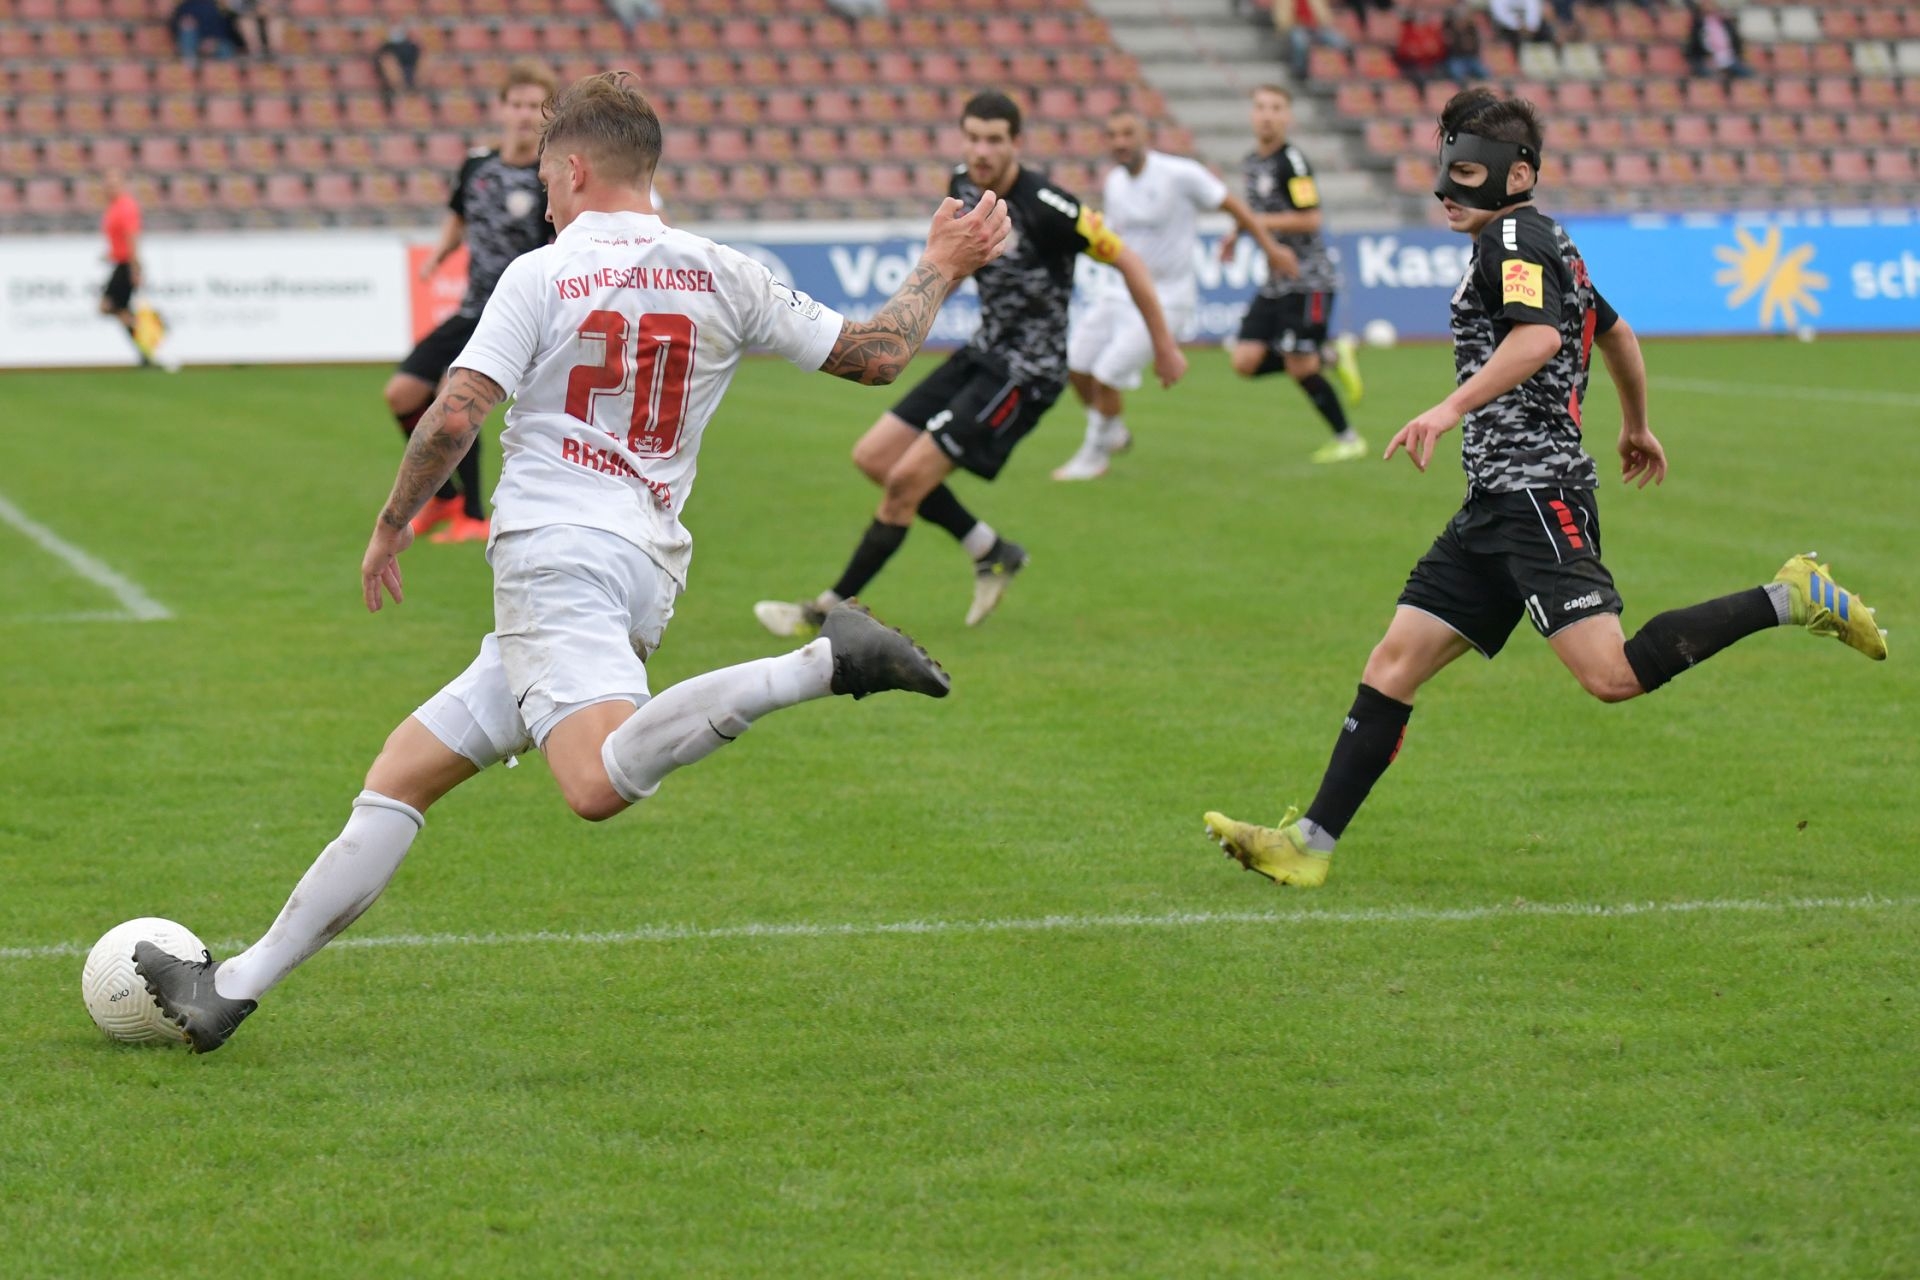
pixel 634 12
pixel 199 25
pixel 1303 24
pixel 1421 50
pixel 1462 35
pixel 1521 22
pixel 397 59
pixel 254 26
pixel 1713 45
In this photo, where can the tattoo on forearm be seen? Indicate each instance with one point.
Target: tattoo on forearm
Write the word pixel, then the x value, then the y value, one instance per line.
pixel 876 351
pixel 445 433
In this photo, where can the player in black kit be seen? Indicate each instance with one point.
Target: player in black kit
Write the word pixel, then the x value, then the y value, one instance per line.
pixel 1285 327
pixel 1527 540
pixel 976 407
pixel 499 211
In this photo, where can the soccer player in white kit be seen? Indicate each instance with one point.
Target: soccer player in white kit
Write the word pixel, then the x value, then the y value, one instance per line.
pixel 1150 200
pixel 617 342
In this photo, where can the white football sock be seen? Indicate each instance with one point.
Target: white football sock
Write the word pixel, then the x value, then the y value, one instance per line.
pixel 979 539
pixel 1113 431
pixel 1096 427
pixel 1319 839
pixel 1782 597
pixel 697 717
pixel 342 882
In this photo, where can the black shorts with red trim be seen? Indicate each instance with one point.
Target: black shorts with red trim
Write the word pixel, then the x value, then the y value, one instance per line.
pixel 1535 552
pixel 974 411
pixel 435 354
pixel 1292 322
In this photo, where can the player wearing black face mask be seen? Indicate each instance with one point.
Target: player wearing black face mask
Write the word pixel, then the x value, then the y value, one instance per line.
pixel 1527 540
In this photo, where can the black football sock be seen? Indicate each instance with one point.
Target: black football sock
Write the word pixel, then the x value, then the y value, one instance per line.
pixel 877 546
pixel 469 473
pixel 1671 642
pixel 1367 744
pixel 942 508
pixel 1326 400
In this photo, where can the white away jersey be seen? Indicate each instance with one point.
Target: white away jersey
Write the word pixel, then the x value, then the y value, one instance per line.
pixel 1154 211
pixel 616 343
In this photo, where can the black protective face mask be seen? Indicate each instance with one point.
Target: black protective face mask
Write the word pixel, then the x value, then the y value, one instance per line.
pixel 1499 159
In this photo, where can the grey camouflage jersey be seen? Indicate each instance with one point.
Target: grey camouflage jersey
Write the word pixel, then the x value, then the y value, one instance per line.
pixel 1283 183
pixel 1024 293
pixel 505 208
pixel 1525 270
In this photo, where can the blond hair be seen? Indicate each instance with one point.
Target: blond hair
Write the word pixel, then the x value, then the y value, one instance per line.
pixel 608 119
pixel 527 72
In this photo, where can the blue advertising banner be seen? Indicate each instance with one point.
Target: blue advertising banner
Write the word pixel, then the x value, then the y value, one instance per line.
pixel 1855 271
pixel 1669 274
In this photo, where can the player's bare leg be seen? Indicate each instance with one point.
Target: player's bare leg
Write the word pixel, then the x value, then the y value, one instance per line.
pixel 209 999
pixel 609 756
pixel 1417 647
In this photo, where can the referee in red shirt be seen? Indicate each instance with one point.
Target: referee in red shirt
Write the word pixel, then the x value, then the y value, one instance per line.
pixel 121 226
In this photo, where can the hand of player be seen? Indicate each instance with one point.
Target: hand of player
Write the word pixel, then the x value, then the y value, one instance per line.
pixel 959 244
pixel 1169 364
pixel 380 567
pixel 1419 436
pixel 1641 456
pixel 1283 262
pixel 427 269
pixel 1229 244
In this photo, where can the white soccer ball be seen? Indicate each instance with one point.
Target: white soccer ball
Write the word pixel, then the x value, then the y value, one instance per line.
pixel 1379 333
pixel 116 996
pixel 1805 333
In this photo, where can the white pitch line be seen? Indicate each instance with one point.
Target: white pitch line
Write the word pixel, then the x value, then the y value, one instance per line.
pixel 139 606
pixel 1776 391
pixel 1066 924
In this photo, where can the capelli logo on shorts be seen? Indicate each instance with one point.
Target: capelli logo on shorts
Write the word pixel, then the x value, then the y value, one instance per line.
pixel 1587 601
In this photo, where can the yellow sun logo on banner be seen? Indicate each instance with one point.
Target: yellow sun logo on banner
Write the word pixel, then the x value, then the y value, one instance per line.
pixel 1785 283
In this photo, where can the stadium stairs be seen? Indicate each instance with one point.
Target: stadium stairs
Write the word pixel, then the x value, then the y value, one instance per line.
pixel 1205 58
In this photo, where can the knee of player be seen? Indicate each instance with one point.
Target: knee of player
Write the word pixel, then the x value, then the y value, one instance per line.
pixel 594 802
pixel 1302 367
pixel 871 463
pixel 1246 361
pixel 400 398
pixel 1610 685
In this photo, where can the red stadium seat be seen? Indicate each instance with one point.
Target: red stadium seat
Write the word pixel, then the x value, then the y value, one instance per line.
pixel 286 191
pixel 1807 169
pixel 1719 169
pixel 336 191
pixel 1676 168
pixel 1864 128
pixel 1893 165
pixel 1735 131
pixel 1779 131
pixel 1587 169
pixel 1692 131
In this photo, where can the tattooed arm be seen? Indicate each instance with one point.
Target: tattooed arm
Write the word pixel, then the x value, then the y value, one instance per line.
pixel 875 351
pixel 446 431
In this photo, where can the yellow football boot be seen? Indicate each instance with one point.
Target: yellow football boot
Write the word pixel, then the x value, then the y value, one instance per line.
pixel 1825 608
pixel 1346 370
pixel 1338 450
pixel 1280 854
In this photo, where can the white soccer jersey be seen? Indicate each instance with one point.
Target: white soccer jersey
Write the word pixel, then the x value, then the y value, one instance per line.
pixel 1154 212
pixel 616 343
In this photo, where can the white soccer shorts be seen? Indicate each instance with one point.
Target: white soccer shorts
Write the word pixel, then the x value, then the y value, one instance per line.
pixel 1111 342
pixel 576 613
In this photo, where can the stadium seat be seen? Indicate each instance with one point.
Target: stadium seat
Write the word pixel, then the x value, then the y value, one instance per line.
pixel 1893 165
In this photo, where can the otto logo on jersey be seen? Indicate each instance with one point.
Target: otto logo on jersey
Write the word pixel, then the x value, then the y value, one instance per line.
pixel 1520 282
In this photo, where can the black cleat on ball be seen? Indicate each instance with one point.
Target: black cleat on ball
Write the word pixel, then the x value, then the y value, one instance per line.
pixel 871 657
pixel 185 992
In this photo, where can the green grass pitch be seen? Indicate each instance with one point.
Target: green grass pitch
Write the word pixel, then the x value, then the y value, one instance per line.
pixel 1109 1052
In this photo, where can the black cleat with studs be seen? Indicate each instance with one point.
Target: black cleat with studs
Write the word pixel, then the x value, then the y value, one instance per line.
pixel 871 657
pixel 185 992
